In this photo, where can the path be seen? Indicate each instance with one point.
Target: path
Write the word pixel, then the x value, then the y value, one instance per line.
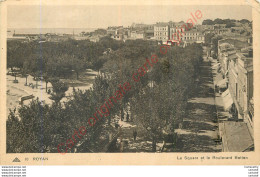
pixel 200 129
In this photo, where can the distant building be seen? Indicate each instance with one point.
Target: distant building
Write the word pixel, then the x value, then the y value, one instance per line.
pixel 226 52
pixel 138 34
pixel 188 37
pixel 204 28
pixel 161 32
pixel 149 31
pixel 219 26
pixel 221 29
pixel 100 32
pixel 112 30
pixel 118 37
pixel 143 31
pixel 116 32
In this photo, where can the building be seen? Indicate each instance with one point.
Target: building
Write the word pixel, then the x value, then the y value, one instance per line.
pixel 113 30
pixel 137 34
pixel 116 32
pixel 161 32
pixel 220 29
pixel 226 52
pixel 192 36
pixel 118 37
pixel 244 90
pixel 149 32
pixel 237 71
pixel 204 28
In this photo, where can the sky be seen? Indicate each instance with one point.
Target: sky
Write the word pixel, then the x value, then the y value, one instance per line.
pixel 29 16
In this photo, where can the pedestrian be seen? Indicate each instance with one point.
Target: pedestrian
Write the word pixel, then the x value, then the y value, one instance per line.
pixel 216 88
pixel 127 117
pixel 116 125
pixel 135 134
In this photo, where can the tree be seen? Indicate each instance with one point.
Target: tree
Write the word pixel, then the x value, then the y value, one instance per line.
pixel 59 90
pixel 207 22
pixel 24 74
pixel 208 38
pixel 27 133
pixel 230 24
pixel 77 65
pixel 244 21
pixel 46 79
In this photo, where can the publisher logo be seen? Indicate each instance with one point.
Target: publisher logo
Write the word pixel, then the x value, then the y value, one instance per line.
pixel 16 160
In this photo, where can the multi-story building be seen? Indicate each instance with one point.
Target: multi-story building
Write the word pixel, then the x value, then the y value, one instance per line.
pixel 149 32
pixel 181 34
pixel 205 28
pixel 226 52
pixel 117 33
pixel 111 30
pixel 221 29
pixel 245 88
pixel 237 69
pixel 161 32
pixel 137 34
pixel 240 79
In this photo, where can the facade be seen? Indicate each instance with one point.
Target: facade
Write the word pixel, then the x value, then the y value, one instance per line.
pixel 181 35
pixel 220 29
pixel 113 30
pixel 162 32
pixel 118 37
pixel 137 34
pixel 245 88
pixel 226 51
pixel 204 28
pixel 193 36
pixel 117 33
pixel 237 69
pixel 237 72
pixel 240 81
pixel 149 31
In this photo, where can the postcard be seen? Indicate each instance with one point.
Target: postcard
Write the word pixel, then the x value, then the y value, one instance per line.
pixel 129 82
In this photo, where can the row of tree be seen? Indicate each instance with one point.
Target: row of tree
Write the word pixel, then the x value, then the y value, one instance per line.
pixel 58 59
pixel 157 102
pixel 229 22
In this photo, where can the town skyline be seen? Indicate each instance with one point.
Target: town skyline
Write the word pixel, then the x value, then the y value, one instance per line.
pixel 83 16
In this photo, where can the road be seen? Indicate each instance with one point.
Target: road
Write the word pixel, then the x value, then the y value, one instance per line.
pixel 200 129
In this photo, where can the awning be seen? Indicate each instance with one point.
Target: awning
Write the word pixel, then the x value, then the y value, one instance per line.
pixel 222 83
pixel 227 99
pixel 235 136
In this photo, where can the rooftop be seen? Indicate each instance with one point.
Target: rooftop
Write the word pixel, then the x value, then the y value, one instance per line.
pixel 161 24
pixel 235 136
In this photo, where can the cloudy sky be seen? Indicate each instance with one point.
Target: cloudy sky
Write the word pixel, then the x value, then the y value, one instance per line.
pixel 103 16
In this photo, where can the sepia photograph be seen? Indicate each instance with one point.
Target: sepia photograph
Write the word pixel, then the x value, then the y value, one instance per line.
pixel 116 79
